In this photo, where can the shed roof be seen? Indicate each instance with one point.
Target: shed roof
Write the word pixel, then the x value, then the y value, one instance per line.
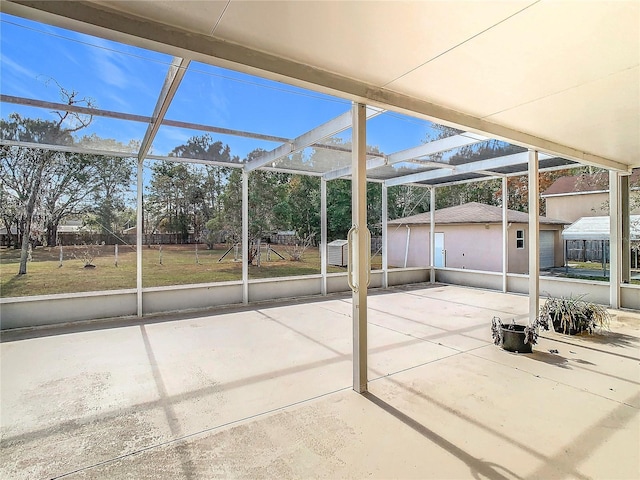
pixel 338 243
pixel 473 212
pixel 597 228
pixel 585 183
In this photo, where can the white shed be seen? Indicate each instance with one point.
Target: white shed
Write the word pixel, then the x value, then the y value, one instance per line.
pixel 338 253
pixel 597 228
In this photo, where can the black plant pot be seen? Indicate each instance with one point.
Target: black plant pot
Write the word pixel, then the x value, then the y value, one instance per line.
pixel 558 328
pixel 513 339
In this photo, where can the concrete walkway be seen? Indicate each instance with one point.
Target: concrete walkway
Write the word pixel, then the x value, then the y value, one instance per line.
pixel 265 393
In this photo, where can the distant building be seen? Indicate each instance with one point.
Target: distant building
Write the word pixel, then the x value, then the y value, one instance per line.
pixel 573 197
pixel 469 236
pixel 284 237
pixel 5 237
pixel 71 231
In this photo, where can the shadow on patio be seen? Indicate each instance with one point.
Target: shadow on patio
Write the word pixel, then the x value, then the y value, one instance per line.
pixel 265 392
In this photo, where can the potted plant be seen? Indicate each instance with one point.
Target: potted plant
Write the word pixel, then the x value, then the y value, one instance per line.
pixel 517 338
pixel 573 315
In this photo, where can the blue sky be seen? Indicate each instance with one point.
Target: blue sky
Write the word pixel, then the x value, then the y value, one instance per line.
pixel 127 79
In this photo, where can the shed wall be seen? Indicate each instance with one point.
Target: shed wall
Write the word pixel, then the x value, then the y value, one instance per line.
pixel 469 246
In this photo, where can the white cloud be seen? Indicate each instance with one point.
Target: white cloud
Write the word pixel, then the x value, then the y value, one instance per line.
pixel 15 68
pixel 219 103
pixel 16 87
pixel 168 139
pixel 107 69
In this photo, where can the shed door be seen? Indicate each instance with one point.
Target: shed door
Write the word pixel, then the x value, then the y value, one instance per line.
pixel 547 249
pixel 439 252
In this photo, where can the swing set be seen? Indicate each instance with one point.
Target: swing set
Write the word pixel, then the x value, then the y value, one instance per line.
pixel 255 251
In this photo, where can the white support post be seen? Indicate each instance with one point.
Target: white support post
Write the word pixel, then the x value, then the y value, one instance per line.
pixel 245 237
pixel 534 234
pixel 625 228
pixel 432 234
pixel 323 234
pixel 406 246
pixel 360 254
pixel 139 231
pixel 615 239
pixel 385 237
pixel 505 233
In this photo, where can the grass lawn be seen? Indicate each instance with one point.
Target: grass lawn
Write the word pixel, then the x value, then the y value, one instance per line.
pixel 46 276
pixel 587 265
pixel 593 266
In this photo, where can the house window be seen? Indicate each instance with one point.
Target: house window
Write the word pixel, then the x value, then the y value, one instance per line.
pixel 519 238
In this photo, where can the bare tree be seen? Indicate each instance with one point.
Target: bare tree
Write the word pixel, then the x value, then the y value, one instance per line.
pixel 24 169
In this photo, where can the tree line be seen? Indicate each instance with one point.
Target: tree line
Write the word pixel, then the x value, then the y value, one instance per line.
pixel 206 200
pixel 43 188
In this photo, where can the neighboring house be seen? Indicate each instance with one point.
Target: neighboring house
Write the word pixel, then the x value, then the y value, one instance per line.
pixel 470 236
pixel 159 236
pixel 573 197
pixel 73 232
pixel 284 237
pixel 68 233
pixel 5 238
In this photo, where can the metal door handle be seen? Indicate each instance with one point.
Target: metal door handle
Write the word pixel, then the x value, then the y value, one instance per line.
pixel 352 285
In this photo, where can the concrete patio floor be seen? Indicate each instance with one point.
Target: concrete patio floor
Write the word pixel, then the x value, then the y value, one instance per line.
pixel 266 393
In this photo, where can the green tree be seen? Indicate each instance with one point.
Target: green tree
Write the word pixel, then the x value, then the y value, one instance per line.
pixel 269 206
pixel 172 192
pixel 203 191
pixel 112 181
pixel 339 219
pixel 304 198
pixel 66 190
pixel 406 200
pixel 229 220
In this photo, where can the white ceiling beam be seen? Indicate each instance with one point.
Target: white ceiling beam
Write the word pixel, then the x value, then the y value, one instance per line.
pixel 471 167
pixel 413 154
pixel 547 169
pixel 199 161
pixel 491 174
pixel 497 175
pixel 328 129
pixel 346 171
pixel 462 182
pixel 437 146
pixel 67 148
pixel 115 25
pixel 494 177
pixel 176 73
pixel 63 107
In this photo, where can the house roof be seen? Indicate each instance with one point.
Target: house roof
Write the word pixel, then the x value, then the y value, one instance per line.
pixel 472 212
pixel 597 228
pixel 585 183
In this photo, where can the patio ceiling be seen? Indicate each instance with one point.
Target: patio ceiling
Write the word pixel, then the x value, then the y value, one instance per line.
pixel 511 71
